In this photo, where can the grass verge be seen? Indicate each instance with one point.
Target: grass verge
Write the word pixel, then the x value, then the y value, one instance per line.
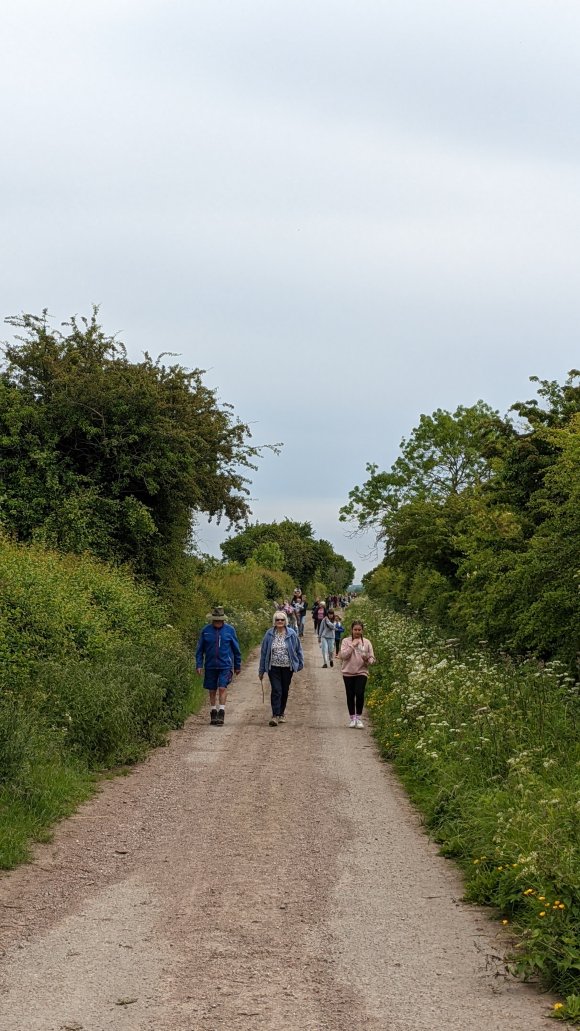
pixel 490 753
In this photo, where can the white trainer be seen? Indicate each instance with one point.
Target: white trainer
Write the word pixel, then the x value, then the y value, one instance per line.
pixel 359 723
pixel 352 721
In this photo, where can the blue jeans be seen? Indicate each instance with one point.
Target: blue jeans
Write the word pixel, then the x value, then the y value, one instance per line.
pixel 327 644
pixel 280 677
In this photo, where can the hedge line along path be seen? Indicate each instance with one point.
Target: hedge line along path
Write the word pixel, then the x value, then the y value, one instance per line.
pixel 249 877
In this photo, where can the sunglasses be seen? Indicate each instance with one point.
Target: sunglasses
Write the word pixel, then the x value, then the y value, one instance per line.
pixel 280 621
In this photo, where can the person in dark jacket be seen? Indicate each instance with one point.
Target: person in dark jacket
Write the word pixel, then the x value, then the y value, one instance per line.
pixel 218 650
pixel 280 657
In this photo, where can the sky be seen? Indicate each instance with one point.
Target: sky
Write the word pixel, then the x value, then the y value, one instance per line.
pixel 347 214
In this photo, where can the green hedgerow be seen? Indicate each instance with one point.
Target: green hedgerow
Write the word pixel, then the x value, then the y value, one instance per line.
pixel 489 750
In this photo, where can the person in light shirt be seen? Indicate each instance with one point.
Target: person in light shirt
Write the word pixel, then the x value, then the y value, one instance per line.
pixel 356 653
pixel 280 657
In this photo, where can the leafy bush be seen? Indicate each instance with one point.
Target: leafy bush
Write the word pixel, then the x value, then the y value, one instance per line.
pixel 91 674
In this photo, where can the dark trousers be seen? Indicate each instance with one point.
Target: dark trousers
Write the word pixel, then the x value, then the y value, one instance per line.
pixel 280 677
pixel 355 693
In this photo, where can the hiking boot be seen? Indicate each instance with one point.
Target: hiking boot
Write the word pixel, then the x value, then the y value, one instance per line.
pixel 282 718
pixel 221 715
pixel 273 721
pixel 213 717
pixel 324 666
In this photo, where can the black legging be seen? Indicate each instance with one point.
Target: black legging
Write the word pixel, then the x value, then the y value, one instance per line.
pixel 355 693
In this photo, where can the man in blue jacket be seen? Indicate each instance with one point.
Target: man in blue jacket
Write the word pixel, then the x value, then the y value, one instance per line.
pixel 219 650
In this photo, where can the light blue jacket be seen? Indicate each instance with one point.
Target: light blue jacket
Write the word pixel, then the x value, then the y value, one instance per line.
pixel 295 652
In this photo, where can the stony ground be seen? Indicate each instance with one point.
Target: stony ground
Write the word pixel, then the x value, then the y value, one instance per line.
pixel 248 877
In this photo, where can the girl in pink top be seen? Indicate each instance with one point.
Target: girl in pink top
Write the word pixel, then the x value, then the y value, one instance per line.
pixel 357 655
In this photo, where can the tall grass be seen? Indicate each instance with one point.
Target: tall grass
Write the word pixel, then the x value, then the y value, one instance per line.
pixel 490 751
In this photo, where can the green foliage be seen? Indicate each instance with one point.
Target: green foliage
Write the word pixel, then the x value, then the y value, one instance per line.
pixel 490 752
pixel 445 454
pixel 91 675
pixel 102 454
pixel 303 558
pixel 246 593
pixel 481 524
pixel 269 555
pixel 568 1010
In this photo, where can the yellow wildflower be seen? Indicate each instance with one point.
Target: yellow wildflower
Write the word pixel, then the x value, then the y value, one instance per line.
pixel 543 913
pixel 558 1005
pixel 561 905
pixel 504 922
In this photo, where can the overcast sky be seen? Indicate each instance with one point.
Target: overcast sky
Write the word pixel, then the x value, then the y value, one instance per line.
pixel 348 214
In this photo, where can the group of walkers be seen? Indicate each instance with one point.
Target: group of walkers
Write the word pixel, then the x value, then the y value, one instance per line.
pixel 339 601
pixel 295 610
pixel 297 607
pixel 218 657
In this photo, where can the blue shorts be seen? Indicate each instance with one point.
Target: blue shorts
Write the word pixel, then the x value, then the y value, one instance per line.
pixel 216 678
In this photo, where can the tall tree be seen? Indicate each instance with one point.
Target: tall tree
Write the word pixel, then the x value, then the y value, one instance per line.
pixel 305 558
pixel 109 455
pixel 445 454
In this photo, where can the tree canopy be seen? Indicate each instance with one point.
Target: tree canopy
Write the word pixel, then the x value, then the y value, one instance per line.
pixel 479 517
pixel 304 558
pixel 445 454
pixel 103 454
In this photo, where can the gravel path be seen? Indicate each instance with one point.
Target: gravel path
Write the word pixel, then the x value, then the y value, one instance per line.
pixel 248 877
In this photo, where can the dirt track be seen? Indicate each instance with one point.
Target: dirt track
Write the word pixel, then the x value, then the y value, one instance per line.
pixel 249 877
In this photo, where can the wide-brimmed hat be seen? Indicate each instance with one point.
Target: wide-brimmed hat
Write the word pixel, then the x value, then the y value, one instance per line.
pixel 218 612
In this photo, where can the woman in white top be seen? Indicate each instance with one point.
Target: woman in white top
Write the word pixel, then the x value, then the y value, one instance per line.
pixel 280 657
